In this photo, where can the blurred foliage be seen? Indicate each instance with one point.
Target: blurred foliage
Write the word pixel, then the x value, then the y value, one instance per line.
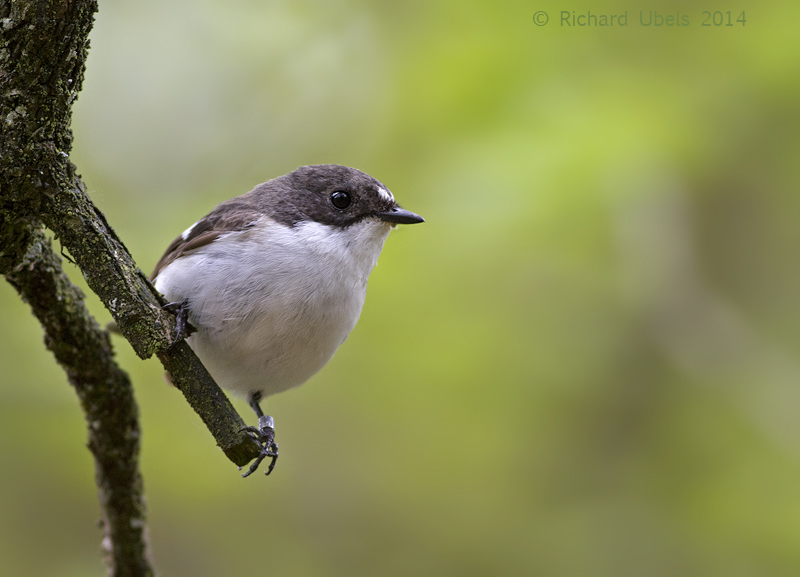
pixel 583 364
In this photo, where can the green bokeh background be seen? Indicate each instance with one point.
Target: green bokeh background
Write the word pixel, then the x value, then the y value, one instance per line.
pixel 585 363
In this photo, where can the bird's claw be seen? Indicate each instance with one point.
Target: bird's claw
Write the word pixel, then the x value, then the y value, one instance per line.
pixel 265 435
pixel 182 326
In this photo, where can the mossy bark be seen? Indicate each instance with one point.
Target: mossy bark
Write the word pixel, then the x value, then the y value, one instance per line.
pixel 43 47
pixel 83 349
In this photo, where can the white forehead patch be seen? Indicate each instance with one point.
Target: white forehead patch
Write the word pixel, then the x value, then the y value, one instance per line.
pixel 385 194
pixel 187 232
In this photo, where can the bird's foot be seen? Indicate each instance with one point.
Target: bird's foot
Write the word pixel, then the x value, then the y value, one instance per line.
pixel 181 311
pixel 264 434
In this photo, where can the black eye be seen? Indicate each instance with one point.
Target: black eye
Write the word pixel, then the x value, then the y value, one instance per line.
pixel 341 199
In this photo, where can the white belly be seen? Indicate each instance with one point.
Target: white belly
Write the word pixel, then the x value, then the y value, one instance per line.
pixel 271 311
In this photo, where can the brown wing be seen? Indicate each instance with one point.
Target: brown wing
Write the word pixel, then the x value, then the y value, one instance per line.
pixel 229 216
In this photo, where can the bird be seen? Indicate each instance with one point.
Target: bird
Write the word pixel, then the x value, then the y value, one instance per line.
pixel 269 284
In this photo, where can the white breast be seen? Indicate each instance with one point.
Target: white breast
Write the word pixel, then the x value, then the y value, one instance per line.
pixel 273 303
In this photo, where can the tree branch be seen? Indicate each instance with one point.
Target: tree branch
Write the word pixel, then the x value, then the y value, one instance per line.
pixel 42 56
pixel 43 45
pixel 136 306
pixel 106 396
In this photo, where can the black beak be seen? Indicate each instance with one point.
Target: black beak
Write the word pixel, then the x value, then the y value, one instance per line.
pixel 399 215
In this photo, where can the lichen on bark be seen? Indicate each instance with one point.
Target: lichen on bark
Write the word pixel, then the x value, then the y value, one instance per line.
pixel 83 349
pixel 43 47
